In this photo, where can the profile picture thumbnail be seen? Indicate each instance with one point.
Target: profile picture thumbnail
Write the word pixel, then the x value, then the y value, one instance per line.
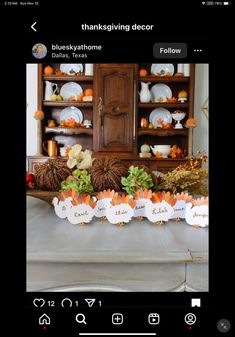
pixel 39 51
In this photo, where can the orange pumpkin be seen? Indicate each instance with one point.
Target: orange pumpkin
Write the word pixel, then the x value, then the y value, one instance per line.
pixel 80 97
pixel 191 122
pixel 88 92
pixel 39 114
pixel 48 70
pixel 143 72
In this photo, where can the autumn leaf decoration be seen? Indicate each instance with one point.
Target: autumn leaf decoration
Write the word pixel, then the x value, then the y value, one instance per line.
pixel 176 152
pixel 158 154
pixel 161 196
pixel 123 199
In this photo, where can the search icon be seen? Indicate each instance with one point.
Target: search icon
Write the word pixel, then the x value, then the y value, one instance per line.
pixel 80 318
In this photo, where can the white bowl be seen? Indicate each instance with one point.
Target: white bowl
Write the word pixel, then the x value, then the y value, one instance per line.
pixel 164 149
pixel 178 116
pixel 161 146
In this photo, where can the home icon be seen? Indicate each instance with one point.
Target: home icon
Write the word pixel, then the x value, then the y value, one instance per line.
pixel 44 320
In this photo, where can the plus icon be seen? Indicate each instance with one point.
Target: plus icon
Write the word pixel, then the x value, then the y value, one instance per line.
pixel 117 319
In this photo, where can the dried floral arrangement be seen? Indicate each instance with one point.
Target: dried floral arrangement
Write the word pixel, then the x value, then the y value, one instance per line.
pixel 81 159
pixel 190 176
pixel 137 179
pixel 80 181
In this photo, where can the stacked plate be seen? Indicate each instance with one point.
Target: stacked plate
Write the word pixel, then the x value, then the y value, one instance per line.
pixel 162 69
pixel 160 92
pixel 71 69
pixel 71 112
pixel 71 89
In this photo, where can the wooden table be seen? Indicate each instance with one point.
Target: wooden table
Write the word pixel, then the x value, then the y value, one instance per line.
pixel 140 256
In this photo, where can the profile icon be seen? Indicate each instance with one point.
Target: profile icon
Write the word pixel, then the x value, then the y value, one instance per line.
pixel 39 51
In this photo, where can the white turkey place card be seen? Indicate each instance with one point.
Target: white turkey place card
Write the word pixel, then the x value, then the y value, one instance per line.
pixel 80 214
pixel 197 212
pixel 142 198
pixel 180 205
pixel 61 206
pixel 101 207
pixel 161 207
pixel 122 210
pixel 78 208
pixel 103 202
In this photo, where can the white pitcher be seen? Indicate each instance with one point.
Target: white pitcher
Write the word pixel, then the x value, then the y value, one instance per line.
pixel 49 90
pixel 145 94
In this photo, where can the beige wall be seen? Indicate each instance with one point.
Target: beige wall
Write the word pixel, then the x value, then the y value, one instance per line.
pixel 31 98
pixel 200 133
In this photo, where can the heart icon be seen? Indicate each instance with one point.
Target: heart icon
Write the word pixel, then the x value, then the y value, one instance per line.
pixel 39 302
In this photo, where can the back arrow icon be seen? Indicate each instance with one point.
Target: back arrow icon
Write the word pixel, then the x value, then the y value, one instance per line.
pixel 33 26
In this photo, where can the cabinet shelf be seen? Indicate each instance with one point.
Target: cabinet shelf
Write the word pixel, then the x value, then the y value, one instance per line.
pixel 69 131
pixel 163 105
pixel 162 132
pixel 164 79
pixel 68 103
pixel 68 78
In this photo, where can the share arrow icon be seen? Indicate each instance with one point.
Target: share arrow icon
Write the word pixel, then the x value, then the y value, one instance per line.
pixel 90 301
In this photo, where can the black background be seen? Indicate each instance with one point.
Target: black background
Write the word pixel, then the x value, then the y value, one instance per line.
pixel 205 27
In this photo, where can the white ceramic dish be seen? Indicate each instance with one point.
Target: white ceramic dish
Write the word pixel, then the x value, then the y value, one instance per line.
pixel 161 146
pixel 70 89
pixel 71 112
pixel 178 117
pixel 160 114
pixel 71 69
pixel 163 149
pixel 161 69
pixel 160 92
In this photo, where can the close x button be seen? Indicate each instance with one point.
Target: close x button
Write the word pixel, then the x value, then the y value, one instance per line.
pixel 170 50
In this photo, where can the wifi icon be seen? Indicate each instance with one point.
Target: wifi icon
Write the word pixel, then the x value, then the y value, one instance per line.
pixel 203 3
pixel 90 301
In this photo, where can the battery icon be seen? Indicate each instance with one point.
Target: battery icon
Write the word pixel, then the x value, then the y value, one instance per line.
pixel 226 3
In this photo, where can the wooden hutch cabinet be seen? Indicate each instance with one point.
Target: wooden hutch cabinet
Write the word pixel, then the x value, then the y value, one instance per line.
pixel 114 106
pixel 116 113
